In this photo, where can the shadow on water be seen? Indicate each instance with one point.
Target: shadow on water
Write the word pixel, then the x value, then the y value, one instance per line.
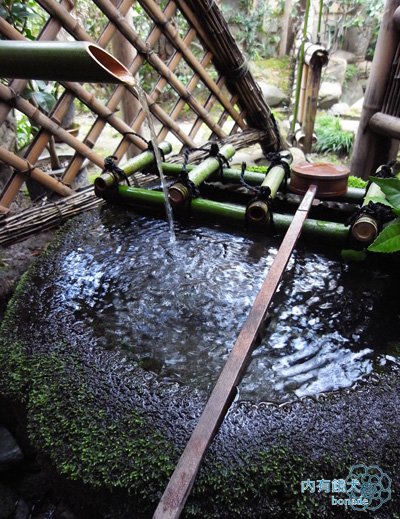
pixel 176 309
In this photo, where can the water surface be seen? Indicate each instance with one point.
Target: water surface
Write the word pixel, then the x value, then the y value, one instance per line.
pixel 177 308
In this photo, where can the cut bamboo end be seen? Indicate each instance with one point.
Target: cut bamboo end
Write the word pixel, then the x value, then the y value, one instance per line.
pixel 257 212
pixel 365 229
pixel 101 184
pixel 178 195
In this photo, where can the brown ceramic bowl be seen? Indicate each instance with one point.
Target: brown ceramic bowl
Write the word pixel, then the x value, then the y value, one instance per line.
pixel 330 179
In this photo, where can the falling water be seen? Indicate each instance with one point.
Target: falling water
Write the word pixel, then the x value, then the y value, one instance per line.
pixel 135 88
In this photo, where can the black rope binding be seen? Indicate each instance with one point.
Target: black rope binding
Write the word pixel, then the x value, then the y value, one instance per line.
pixel 262 193
pixel 380 212
pixel 183 177
pixel 385 171
pixel 111 167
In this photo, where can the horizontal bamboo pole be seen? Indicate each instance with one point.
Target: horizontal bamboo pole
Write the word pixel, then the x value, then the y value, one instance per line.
pixel 384 124
pixel 148 199
pixel 28 170
pixel 179 193
pixel 135 164
pixel 60 61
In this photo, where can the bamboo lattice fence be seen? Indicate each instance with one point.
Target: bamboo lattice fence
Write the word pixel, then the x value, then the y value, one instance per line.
pixel 204 78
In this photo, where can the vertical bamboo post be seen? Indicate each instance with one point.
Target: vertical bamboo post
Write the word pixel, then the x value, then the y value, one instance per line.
pixel 371 150
pixel 315 57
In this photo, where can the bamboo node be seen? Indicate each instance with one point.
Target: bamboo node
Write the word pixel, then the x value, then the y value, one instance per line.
pixel 28 171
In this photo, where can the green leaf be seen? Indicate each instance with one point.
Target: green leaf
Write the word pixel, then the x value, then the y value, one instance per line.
pixel 388 239
pixel 380 200
pixel 391 188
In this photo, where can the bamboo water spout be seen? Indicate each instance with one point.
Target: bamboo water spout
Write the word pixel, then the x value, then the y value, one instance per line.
pixel 179 193
pixel 60 61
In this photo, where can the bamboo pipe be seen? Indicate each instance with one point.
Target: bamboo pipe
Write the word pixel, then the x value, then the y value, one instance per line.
pixel 179 193
pixel 26 169
pixel 258 210
pixel 228 174
pixel 106 180
pixel 365 228
pixel 251 177
pixel 141 199
pixel 60 61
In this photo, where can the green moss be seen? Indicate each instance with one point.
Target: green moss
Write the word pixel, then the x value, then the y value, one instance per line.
pixel 356 182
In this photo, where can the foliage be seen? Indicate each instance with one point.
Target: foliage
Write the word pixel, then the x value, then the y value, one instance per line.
pixel 388 239
pixel 364 14
pixel 254 21
pixel 331 137
pixel 25 130
pixel 26 16
pixel 356 182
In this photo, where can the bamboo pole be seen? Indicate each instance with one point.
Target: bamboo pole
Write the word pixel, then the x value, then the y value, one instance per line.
pixel 18 227
pixel 179 193
pixel 384 124
pixel 369 149
pixel 26 169
pixel 315 57
pixel 60 61
pixel 106 180
pixel 131 35
pixel 227 174
pixel 38 117
pixel 142 199
pixel 206 18
pixel 258 210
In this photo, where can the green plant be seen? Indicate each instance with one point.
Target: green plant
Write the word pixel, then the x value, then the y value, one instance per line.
pixel 388 240
pixel 26 16
pixel 331 137
pixel 356 182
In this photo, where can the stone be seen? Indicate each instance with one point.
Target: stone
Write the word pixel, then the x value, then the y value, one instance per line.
pixel 10 453
pixel 272 94
pixel 339 109
pixel 335 70
pixel 350 57
pixel 329 94
pixel 356 108
pixel 349 125
pixel 22 510
pixel 7 502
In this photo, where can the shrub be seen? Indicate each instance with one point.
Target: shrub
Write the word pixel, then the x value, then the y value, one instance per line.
pixel 331 137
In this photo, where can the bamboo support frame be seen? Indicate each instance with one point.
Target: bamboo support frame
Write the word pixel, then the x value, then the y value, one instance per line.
pixel 370 150
pixel 131 35
pixel 198 68
pixel 146 199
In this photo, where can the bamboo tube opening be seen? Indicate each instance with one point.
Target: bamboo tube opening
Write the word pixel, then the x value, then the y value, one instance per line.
pixel 365 229
pixel 257 212
pixel 100 185
pixel 178 194
pixel 110 64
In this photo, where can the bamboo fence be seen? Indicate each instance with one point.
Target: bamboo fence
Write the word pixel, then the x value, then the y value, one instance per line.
pixel 218 95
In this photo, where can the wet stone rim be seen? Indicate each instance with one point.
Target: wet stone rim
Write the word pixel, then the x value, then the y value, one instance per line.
pixel 117 431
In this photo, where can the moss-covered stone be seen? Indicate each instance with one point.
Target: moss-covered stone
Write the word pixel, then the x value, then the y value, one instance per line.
pixel 116 430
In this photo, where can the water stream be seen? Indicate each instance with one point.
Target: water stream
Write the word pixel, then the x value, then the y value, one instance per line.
pixel 177 311
pixel 134 87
